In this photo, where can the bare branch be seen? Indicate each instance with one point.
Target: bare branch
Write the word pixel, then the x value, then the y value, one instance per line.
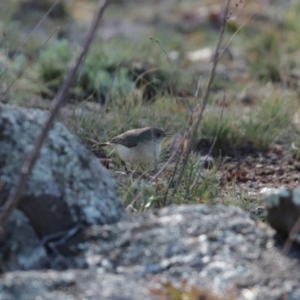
pixel 155 177
pixel 218 128
pixel 32 157
pixel 205 96
pixel 215 138
pixel 291 238
pixel 186 135
pixel 35 27
pixel 27 65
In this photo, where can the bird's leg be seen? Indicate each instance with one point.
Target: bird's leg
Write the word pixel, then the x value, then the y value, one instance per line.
pixel 136 169
pixel 145 172
pixel 125 167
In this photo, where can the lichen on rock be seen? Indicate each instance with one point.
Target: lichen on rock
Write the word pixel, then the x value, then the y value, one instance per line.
pixel 68 184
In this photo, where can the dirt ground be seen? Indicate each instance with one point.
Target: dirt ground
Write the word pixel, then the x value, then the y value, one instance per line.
pixel 193 27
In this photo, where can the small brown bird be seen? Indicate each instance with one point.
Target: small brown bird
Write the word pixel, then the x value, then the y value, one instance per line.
pixel 139 146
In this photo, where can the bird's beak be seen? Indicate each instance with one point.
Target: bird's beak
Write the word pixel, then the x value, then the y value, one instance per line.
pixel 169 134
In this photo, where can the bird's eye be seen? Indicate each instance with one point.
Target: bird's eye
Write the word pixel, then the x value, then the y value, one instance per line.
pixel 158 134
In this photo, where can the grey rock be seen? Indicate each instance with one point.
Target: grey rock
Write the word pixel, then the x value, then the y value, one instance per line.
pixel 20 248
pixel 207 161
pixel 68 185
pixel 71 285
pixel 216 248
pixel 259 213
pixel 283 210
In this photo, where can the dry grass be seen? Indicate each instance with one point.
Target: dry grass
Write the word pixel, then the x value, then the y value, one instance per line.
pixel 111 76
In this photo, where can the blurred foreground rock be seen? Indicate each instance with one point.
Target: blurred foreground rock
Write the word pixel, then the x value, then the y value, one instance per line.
pixel 68 186
pixel 283 211
pixel 20 248
pixel 59 11
pixel 218 248
pixel 68 222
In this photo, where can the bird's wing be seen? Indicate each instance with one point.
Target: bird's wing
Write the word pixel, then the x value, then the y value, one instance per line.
pixel 103 144
pixel 128 142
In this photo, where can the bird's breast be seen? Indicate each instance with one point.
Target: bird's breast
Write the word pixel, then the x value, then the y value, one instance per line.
pixel 143 153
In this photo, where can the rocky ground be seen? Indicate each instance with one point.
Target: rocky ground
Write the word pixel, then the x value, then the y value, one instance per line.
pixel 71 237
pixel 254 173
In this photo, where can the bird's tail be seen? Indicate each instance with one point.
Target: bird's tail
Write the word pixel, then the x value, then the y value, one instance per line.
pixel 103 144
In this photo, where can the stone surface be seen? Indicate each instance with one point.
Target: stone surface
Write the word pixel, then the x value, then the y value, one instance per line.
pixel 217 248
pixel 283 210
pixel 71 285
pixel 20 248
pixel 68 186
pixel 214 247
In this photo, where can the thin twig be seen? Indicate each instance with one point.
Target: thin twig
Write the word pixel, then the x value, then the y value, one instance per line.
pixel 149 71
pixel 219 126
pixel 291 238
pixel 236 32
pixel 5 64
pixel 109 92
pixel 205 96
pixel 35 27
pixel 32 157
pixel 186 134
pixel 155 177
pixel 152 117
pixel 163 50
pixel 20 74
pixel 215 138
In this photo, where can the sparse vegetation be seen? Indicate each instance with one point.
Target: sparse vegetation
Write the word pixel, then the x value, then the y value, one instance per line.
pixel 151 66
pixel 262 124
pixel 170 292
pixel 145 77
